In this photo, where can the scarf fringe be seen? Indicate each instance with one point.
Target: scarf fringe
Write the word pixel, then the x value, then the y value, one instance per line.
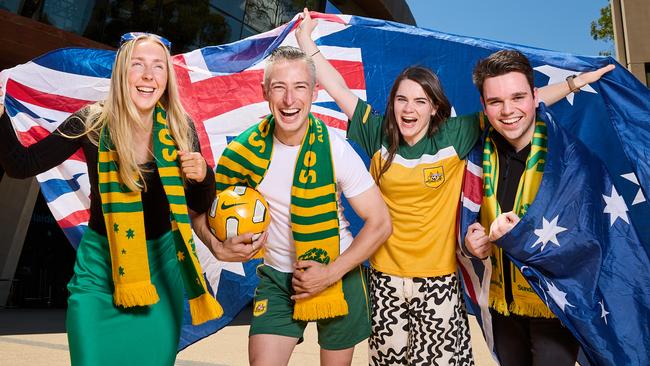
pixel 320 308
pixel 499 305
pixel 204 308
pixel 140 294
pixel 531 310
pixel 526 309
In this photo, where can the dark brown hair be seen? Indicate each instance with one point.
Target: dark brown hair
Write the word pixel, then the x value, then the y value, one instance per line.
pixel 500 63
pixel 433 89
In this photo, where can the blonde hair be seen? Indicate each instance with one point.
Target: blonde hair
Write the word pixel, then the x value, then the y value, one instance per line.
pixel 119 114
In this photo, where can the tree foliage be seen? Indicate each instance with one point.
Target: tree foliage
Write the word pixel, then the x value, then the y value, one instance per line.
pixel 602 29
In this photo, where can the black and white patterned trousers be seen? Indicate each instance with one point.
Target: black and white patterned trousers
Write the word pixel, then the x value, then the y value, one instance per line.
pixel 418 321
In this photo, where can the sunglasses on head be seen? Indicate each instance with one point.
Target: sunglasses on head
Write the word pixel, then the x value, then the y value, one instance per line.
pixel 133 35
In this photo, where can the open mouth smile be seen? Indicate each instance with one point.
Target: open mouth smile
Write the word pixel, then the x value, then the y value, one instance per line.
pixel 145 90
pixel 510 121
pixel 409 120
pixel 289 112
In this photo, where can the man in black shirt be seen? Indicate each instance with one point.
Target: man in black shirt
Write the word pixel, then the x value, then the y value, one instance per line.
pixel 525 330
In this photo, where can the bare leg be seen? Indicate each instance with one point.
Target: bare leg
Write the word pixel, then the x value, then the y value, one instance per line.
pixel 270 349
pixel 342 357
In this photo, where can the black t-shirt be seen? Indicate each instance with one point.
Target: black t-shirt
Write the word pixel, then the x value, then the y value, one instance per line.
pixel 511 166
pixel 21 162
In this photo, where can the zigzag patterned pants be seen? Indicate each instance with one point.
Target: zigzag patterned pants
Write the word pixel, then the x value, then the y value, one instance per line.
pixel 418 321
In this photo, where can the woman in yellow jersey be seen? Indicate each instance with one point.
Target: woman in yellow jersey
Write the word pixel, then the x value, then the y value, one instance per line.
pixel 417 152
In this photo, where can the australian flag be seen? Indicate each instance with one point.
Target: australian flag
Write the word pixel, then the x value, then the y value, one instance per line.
pixel 610 119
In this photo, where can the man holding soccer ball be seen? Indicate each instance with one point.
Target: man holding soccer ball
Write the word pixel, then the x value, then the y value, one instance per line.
pixel 311 268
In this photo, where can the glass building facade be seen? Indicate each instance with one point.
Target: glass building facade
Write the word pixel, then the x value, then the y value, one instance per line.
pixel 188 24
pixel 44 264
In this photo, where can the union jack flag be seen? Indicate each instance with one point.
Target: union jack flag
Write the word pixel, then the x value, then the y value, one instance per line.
pixel 221 90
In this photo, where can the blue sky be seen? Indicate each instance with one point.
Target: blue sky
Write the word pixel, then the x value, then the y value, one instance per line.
pixel 559 25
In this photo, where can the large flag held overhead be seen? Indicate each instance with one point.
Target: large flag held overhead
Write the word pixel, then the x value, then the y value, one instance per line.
pixel 220 87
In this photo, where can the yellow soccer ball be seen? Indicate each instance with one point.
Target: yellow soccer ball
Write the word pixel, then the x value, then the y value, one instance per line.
pixel 238 210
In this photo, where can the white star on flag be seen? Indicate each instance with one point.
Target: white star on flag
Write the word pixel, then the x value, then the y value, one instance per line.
pixel 603 312
pixel 558 296
pixel 639 195
pixel 616 207
pixel 557 75
pixel 548 232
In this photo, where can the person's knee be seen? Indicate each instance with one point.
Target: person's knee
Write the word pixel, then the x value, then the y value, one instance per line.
pixel 341 357
pixel 270 349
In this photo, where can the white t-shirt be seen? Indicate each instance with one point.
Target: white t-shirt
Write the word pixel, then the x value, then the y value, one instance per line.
pixel 352 179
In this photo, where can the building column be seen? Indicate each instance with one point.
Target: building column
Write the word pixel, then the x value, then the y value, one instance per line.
pixel 18 197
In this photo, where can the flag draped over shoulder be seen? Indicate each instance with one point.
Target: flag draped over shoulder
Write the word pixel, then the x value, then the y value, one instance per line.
pixel 220 88
pixel 578 249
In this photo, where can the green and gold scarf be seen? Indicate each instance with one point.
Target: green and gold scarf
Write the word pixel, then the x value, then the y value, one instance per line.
pixel 314 210
pixel 525 300
pixel 125 229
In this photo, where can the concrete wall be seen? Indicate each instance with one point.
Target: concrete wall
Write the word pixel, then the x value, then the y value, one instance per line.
pixel 631 21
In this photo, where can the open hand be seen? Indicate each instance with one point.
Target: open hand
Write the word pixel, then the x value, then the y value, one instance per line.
pixel 592 76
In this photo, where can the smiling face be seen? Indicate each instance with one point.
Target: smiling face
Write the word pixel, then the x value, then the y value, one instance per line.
pixel 413 111
pixel 290 92
pixel 147 76
pixel 510 105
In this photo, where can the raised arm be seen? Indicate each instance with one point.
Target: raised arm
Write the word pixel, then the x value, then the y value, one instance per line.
pixel 22 162
pixel 328 77
pixel 551 94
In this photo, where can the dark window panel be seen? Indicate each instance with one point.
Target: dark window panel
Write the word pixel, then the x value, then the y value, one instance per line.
pixel 129 16
pixel 11 5
pixel 261 14
pixel 69 15
pixel 287 9
pixel 31 8
pixel 194 24
pixel 247 32
pixel 234 8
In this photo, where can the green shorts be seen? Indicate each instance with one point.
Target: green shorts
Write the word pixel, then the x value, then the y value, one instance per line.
pixel 273 310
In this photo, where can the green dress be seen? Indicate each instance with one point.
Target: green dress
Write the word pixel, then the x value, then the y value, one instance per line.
pixel 100 333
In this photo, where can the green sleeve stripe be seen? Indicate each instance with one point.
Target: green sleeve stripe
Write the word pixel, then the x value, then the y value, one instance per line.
pixel 366 114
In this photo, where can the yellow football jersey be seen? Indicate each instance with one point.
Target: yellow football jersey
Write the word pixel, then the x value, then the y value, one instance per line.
pixel 422 191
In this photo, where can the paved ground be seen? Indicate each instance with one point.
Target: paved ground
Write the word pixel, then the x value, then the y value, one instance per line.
pixel 37 337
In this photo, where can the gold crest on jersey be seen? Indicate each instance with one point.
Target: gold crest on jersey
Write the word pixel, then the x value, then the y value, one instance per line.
pixel 260 307
pixel 434 177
